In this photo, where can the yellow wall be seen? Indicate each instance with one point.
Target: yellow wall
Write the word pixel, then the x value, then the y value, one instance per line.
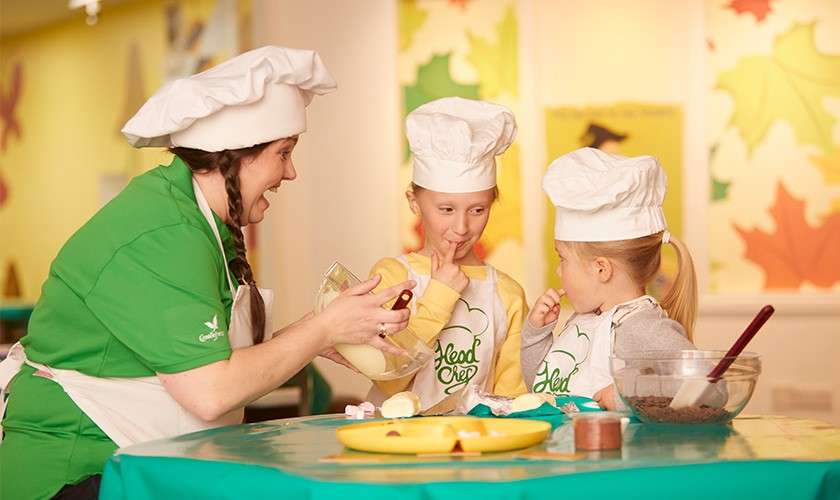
pixel 72 106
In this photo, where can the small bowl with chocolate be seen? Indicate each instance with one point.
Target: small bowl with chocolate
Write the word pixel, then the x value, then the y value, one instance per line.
pixel 648 381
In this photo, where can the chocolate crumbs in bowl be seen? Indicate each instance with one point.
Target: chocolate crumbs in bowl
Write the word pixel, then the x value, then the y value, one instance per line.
pixel 657 409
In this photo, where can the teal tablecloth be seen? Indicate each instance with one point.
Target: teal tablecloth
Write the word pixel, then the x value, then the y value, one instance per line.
pixel 755 457
pixel 554 415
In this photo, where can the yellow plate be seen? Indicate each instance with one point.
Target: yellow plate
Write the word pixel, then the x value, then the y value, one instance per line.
pixel 442 434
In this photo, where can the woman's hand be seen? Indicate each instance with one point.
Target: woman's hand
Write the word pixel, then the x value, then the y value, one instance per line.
pixel 546 309
pixel 354 317
pixel 357 317
pixel 445 270
pixel 606 398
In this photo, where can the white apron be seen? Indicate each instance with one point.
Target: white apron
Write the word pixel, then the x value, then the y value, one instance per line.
pixel 134 410
pixel 468 346
pixel 578 362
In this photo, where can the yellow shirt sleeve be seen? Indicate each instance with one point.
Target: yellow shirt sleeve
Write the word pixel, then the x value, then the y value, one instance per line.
pixel 508 373
pixel 432 312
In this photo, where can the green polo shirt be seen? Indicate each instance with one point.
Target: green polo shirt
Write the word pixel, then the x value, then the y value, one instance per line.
pixel 139 289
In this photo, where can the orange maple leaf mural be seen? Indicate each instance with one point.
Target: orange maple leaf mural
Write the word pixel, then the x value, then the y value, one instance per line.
pixel 758 8
pixel 9 101
pixel 3 191
pixel 796 252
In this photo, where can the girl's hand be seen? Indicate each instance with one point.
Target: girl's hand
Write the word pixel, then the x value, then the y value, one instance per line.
pixel 606 397
pixel 445 270
pixel 357 317
pixel 546 309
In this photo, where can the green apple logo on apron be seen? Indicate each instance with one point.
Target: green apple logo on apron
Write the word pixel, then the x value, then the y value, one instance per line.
pixel 563 362
pixel 456 359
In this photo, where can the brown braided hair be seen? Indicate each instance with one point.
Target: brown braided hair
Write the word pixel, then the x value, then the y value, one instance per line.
pixel 228 163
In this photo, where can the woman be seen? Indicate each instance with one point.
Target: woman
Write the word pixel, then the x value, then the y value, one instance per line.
pixel 141 332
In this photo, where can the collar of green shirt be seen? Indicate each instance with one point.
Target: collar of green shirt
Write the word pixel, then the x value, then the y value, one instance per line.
pixel 180 176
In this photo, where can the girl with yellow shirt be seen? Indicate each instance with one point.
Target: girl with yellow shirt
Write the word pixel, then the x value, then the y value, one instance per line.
pixel 467 311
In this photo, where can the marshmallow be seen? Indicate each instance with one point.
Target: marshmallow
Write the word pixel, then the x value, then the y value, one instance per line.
pixel 401 405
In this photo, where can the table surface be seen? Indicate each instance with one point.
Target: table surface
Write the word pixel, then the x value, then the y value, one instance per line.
pixel 773 454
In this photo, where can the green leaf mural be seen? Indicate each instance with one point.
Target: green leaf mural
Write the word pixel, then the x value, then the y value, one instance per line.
pixel 789 85
pixel 411 19
pixel 496 63
pixel 720 189
pixel 434 81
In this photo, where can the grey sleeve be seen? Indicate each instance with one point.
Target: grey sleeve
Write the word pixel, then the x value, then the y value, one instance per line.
pixel 650 330
pixel 535 345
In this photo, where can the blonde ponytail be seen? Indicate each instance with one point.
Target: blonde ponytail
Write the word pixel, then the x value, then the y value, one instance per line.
pixel 642 257
pixel 681 300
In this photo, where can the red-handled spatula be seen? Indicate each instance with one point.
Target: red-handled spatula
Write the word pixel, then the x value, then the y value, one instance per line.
pixel 694 390
pixel 401 303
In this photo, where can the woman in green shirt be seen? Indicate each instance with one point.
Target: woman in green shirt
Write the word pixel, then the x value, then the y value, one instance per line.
pixel 140 332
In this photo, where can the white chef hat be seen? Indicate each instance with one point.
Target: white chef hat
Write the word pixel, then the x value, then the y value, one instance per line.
pixel 604 197
pixel 455 142
pixel 256 97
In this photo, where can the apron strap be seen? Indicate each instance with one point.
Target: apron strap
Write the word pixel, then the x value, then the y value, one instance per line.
pixel 492 275
pixel 627 309
pixel 9 367
pixel 492 279
pixel 208 216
